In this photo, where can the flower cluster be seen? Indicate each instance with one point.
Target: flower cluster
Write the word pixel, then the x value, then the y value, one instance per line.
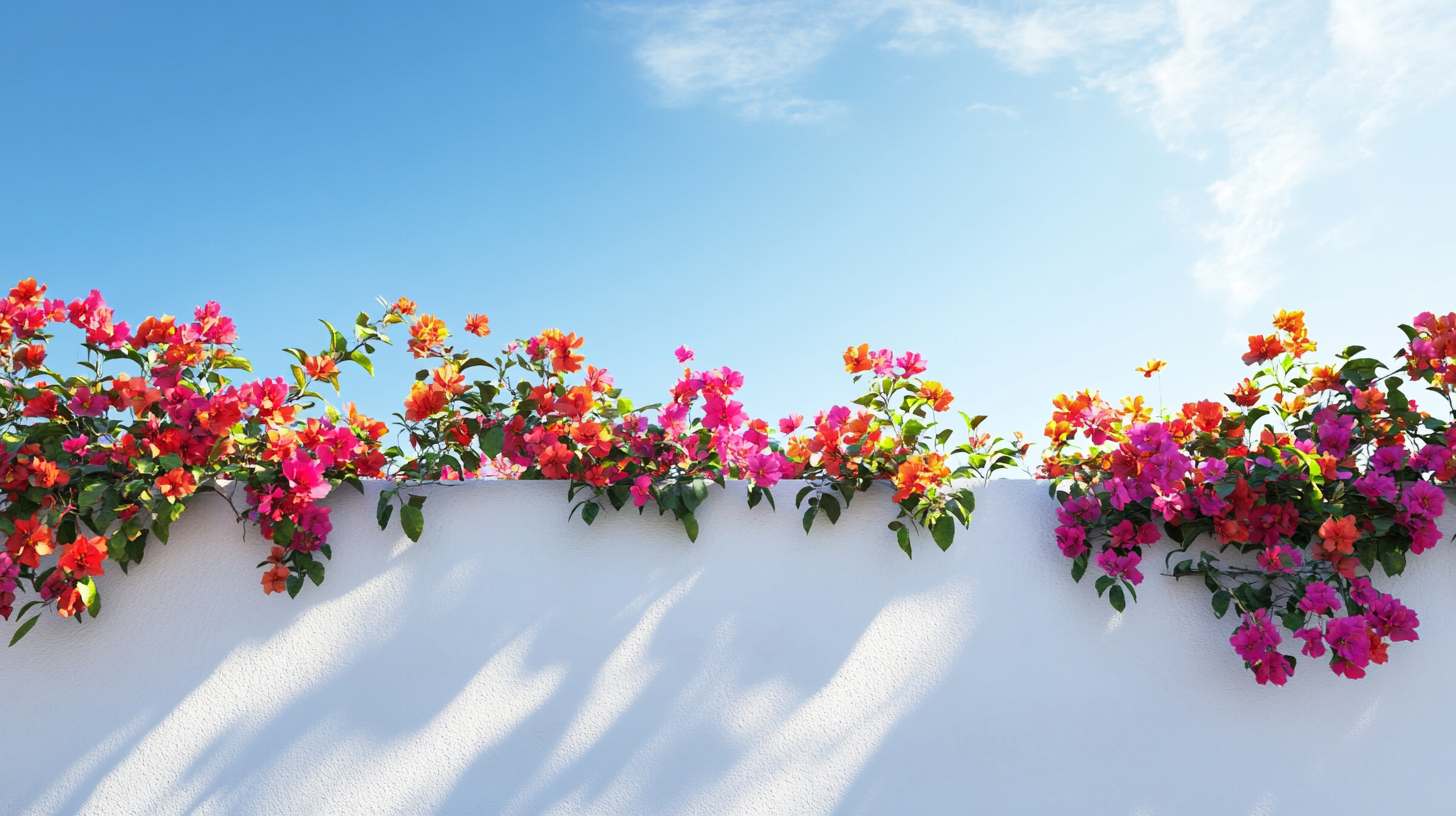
pixel 541 412
pixel 1314 474
pixel 96 464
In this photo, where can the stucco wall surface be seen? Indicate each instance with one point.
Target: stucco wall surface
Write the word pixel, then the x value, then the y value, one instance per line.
pixel 514 662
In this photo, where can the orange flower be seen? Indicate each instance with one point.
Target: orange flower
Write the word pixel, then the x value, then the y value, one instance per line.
pixel 403 306
pixel 449 380
pixel 478 325
pixel 1206 414
pixel 27 293
pixel 562 348
pixel 44 473
pixel 1324 378
pixel 371 427
pixel 594 438
pixel 918 474
pixel 1152 367
pixel 935 393
pixel 1292 322
pixel 424 401
pixel 1337 536
pixel 320 368
pixel 153 330
pixel 176 484
pixel 858 359
pixel 1135 411
pixel 577 402
pixel 1371 399
pixel 83 557
pixel 1262 348
pixel 275 579
pixel 426 336
pixel 1246 394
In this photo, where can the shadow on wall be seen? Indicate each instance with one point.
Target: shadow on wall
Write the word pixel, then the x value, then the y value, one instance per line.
pixel 509 662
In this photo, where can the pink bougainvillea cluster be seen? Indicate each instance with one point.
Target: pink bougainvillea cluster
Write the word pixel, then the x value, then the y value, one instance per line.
pixel 1310 475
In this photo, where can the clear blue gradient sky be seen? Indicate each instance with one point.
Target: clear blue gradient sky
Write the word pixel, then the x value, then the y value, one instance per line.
pixel 1038 197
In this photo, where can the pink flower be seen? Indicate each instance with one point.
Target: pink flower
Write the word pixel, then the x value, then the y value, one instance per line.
pixel 213 327
pixel 721 413
pixel 1072 540
pixel 86 403
pixel 1255 637
pixel 1350 641
pixel 910 364
pixel 1084 508
pixel 1388 459
pixel 1124 566
pixel 305 476
pixel 1424 534
pixel 1313 645
pixel 1274 668
pixel 1375 486
pixel 75 445
pixel 684 355
pixel 641 490
pixel 1319 598
pixel 766 468
pixel 1424 499
pixel 1393 619
pixel 722 381
pixel 1127 535
pixel 1362 592
pixel 791 423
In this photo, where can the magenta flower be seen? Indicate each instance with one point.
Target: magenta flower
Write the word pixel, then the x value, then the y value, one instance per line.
pixel 1424 534
pixel 791 423
pixel 767 468
pixel 1376 486
pixel 1313 641
pixel 1388 459
pixel 305 476
pixel 1362 592
pixel 1431 457
pixel 1121 566
pixel 1274 668
pixel 641 490
pixel 721 413
pixel 1393 619
pixel 75 445
pixel 1424 499
pixel 1319 598
pixel 684 355
pixel 1127 535
pixel 1255 637
pixel 1349 639
pixel 1072 540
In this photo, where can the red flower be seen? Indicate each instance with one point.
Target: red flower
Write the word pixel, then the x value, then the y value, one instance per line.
pixel 42 406
pixel 30 541
pixel 1262 348
pixel 31 356
pixel 83 557
pixel 554 461
pixel 177 484
pixel 1246 394
pixel 320 368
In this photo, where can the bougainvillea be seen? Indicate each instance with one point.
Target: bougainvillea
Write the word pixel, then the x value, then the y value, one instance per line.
pixel 1307 478
pixel 96 464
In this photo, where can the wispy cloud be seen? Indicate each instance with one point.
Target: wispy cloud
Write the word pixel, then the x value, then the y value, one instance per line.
pixel 1008 112
pixel 1283 91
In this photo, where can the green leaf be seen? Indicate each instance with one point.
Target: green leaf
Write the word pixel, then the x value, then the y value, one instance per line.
pixel 799 499
pixel 162 526
pixel 89 595
pixel 412 519
pixel 1079 567
pixel 943 531
pixel 755 495
pixel 589 512
pixel 1104 583
pixel 902 536
pixel 316 572
pixel 809 516
pixel 384 510
pixel 690 524
pixel 363 361
pixel 492 441
pixel 23 629
pixel 1220 602
pixel 831 507
pixel 294 584
pixel 90 494
pixel 1115 597
pixel 1392 561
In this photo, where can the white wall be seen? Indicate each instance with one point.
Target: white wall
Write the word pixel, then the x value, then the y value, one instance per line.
pixel 512 662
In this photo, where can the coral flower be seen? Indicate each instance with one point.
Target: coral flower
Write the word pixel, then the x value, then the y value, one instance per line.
pixel 554 461
pixel 83 556
pixel 1262 348
pixel 426 336
pixel 424 401
pixel 858 359
pixel 177 484
pixel 275 580
pixel 320 368
pixel 936 394
pixel 1246 394
pixel 562 348
pixel 478 325
pixel 1337 536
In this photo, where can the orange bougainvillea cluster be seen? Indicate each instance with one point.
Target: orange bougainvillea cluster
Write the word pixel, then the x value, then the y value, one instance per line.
pixel 1315 474
pixel 97 464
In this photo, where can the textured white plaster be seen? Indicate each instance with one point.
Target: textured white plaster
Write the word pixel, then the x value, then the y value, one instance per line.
pixel 513 661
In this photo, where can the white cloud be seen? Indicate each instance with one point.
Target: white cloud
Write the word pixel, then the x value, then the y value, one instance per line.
pixel 1282 91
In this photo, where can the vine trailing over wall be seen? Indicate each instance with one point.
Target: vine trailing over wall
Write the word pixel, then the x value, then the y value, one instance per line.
pixel 96 464
pixel 1312 475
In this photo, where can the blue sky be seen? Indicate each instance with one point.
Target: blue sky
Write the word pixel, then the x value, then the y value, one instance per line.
pixel 1036 196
